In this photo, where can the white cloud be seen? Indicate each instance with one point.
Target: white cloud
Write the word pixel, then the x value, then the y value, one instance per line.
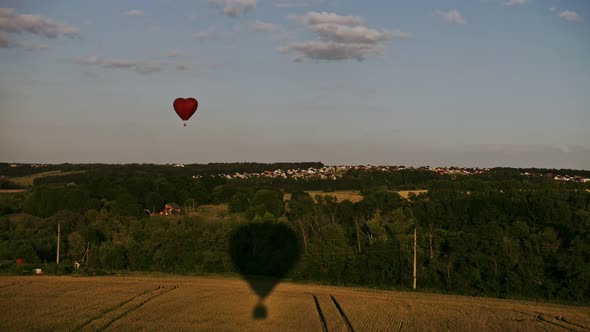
pixel 214 32
pixel 290 4
pixel 552 9
pixel 569 15
pixel 6 41
pixel 34 47
pixel 231 11
pixel 201 35
pixel 90 74
pixel 177 53
pixel 263 26
pixel 329 50
pixel 204 34
pixel 515 2
pixel 233 8
pixel 140 66
pixel 178 65
pixel 313 18
pixel 340 38
pixel 10 42
pixel 90 60
pixel 133 13
pixel 13 22
pixel 397 33
pixel 451 16
pixel 355 34
pixel 182 66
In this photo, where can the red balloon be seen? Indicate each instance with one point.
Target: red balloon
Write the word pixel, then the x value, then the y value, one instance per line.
pixel 185 108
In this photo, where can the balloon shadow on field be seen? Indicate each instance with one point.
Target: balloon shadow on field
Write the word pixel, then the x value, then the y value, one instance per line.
pixel 264 253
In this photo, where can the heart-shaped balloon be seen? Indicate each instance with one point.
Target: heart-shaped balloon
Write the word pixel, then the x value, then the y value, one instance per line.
pixel 185 108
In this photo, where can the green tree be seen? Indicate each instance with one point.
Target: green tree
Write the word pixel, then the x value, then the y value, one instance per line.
pixel 240 202
pixel 268 201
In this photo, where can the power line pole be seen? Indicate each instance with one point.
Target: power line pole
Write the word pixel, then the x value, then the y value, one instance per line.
pixel 58 236
pixel 431 250
pixel 415 253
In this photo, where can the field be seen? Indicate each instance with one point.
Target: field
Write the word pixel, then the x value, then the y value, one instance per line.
pixel 27 181
pixel 12 191
pixel 215 212
pixel 406 193
pixel 351 195
pixel 225 304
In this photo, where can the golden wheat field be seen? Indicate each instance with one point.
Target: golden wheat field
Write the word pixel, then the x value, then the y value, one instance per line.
pixel 176 303
pixel 341 195
pixel 406 193
pixel 351 195
pixel 12 191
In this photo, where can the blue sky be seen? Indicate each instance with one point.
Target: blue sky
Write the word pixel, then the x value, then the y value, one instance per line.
pixel 465 83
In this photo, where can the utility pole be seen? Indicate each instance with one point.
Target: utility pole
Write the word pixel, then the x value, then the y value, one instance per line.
pixel 58 236
pixel 415 253
pixel 358 236
pixel 431 251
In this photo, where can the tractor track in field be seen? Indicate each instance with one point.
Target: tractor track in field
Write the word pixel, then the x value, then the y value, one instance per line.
pixel 105 312
pixel 139 305
pixel 401 325
pixel 15 284
pixel 8 286
pixel 322 317
pixel 541 318
pixel 320 313
pixel 585 328
pixel 342 314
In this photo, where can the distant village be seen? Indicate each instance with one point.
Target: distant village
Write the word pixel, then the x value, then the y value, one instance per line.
pixel 31 165
pixel 335 172
pixel 558 177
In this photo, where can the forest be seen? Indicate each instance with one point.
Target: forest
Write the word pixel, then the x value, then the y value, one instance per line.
pixel 498 234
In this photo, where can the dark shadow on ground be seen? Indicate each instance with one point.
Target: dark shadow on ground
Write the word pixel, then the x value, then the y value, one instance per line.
pixel 263 253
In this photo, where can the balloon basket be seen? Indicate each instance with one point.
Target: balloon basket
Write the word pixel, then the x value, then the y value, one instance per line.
pixel 260 311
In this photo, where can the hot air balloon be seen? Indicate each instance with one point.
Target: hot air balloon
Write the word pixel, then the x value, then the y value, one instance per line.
pixel 185 108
